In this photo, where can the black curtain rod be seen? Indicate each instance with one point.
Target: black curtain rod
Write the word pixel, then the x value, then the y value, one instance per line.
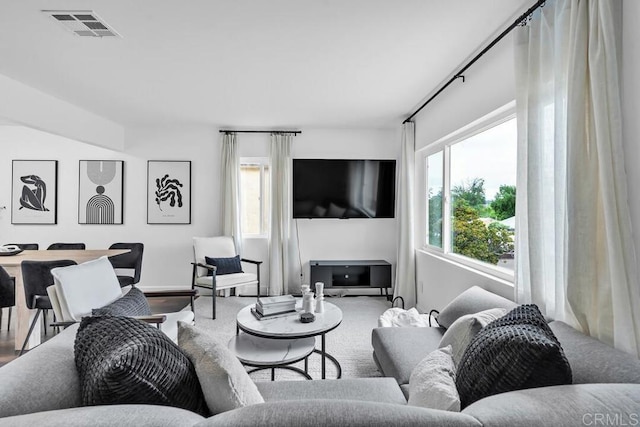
pixel 495 41
pixel 259 131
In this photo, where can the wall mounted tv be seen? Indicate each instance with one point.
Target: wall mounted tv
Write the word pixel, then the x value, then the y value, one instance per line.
pixel 336 188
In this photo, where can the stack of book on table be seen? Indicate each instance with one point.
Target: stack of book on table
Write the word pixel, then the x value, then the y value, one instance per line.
pixel 274 306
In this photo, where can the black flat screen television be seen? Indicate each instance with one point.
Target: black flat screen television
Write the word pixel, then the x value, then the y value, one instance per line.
pixel 337 188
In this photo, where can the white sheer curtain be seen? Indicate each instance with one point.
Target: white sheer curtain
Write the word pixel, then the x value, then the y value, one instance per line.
pixel 230 189
pixel 576 259
pixel 405 285
pixel 280 230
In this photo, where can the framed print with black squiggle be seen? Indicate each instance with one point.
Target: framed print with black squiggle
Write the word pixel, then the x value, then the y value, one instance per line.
pixel 34 192
pixel 168 192
pixel 100 192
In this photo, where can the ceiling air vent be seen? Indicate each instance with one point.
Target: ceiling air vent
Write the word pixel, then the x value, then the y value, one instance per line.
pixel 83 23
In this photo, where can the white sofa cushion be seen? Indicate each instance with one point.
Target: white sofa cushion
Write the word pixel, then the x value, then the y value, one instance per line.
pixel 228 280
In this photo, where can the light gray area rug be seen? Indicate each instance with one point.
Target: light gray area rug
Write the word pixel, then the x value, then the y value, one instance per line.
pixel 350 342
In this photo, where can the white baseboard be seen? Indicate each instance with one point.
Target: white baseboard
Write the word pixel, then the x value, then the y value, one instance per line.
pixel 250 291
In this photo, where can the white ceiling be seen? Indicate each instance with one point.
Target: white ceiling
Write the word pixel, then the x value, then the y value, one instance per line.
pixel 249 63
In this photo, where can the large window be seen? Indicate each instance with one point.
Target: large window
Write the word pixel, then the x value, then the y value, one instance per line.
pixel 471 195
pixel 255 185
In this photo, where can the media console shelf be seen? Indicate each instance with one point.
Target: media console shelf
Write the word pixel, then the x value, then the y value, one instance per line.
pixel 352 274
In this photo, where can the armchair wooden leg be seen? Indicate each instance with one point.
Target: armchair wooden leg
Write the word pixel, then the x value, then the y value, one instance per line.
pixel 33 324
pixel 9 319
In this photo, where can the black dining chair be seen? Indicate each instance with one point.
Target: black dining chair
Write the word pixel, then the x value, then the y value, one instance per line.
pixel 7 294
pixel 27 246
pixel 36 278
pixel 131 261
pixel 66 246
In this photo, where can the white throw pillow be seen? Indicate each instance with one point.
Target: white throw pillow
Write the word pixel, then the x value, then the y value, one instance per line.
pixel 433 382
pixel 462 331
pixel 225 383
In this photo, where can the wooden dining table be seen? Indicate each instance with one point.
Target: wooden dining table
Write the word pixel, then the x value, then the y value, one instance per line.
pixel 12 264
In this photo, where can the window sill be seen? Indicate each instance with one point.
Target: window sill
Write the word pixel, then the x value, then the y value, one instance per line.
pixel 501 275
pixel 255 236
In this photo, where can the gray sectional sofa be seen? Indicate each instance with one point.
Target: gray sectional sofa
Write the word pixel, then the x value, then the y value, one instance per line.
pixel 42 388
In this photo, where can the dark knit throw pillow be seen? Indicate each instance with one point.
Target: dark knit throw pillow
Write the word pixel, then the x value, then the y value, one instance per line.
pixel 514 352
pixel 121 360
pixel 133 303
pixel 225 265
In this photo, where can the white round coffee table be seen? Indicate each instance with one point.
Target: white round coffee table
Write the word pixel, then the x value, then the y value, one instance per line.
pixel 290 327
pixel 264 353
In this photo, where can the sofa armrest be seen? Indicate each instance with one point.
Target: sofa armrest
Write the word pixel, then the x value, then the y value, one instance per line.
pixel 251 261
pixel 321 412
pixel 64 325
pixel 171 293
pixel 138 415
pixel 207 266
pixel 156 319
pixel 578 404
pixel 43 379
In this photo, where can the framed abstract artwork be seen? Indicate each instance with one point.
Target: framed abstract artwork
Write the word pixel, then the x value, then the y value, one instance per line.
pixel 168 192
pixel 100 192
pixel 34 192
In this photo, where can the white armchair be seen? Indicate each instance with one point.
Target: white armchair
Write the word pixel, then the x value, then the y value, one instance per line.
pixel 220 247
pixel 78 289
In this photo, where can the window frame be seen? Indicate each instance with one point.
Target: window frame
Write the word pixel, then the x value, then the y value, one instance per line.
pixel 502 115
pixel 264 210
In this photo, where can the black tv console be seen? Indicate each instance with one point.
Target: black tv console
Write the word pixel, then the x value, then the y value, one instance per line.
pixel 352 274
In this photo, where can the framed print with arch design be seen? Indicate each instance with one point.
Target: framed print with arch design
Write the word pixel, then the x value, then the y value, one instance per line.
pixel 168 192
pixel 34 192
pixel 100 192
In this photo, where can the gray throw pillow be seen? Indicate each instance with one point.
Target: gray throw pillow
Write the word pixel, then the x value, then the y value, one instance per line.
pixel 225 383
pixel 517 351
pixel 433 382
pixel 133 303
pixel 462 331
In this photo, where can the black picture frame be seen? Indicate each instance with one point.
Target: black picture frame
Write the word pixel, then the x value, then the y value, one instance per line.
pixel 168 192
pixel 101 192
pixel 34 192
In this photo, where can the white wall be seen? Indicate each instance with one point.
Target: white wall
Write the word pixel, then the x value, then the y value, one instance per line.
pixel 322 239
pixel 168 249
pixel 489 85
